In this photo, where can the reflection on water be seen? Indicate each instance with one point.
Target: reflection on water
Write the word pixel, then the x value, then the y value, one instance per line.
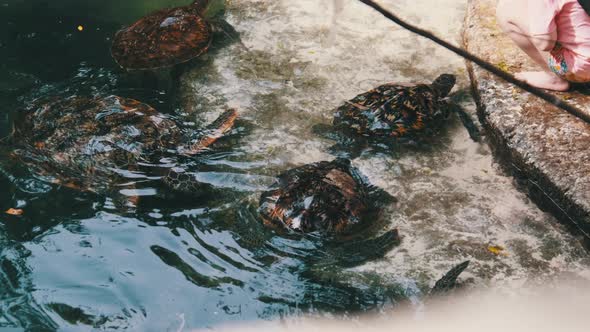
pixel 172 260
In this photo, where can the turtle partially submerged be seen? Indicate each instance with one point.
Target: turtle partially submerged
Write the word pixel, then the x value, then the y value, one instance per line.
pixel 334 202
pixel 94 143
pixel 168 37
pixel 333 206
pixel 399 111
pixel 329 197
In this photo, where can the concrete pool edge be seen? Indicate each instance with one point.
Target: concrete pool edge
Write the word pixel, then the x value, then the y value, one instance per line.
pixel 545 148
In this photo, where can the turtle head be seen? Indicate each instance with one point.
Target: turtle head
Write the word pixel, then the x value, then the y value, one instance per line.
pixel 201 4
pixel 444 84
pixel 343 162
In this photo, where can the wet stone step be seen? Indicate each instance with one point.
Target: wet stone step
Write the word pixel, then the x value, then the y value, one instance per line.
pixel 546 148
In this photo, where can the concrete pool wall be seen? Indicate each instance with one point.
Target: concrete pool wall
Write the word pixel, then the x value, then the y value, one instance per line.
pixel 547 149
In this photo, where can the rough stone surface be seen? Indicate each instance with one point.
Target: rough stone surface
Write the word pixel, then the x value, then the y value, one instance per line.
pixel 547 148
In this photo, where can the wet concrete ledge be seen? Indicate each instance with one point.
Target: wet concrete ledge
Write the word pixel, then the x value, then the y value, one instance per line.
pixel 546 149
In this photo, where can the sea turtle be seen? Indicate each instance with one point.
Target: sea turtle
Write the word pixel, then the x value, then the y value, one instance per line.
pixel 93 143
pixel 328 202
pixel 324 268
pixel 328 196
pixel 400 111
pixel 333 208
pixel 332 204
pixel 168 37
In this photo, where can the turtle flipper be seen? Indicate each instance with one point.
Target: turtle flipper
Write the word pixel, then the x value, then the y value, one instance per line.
pixel 467 121
pixel 221 26
pixel 355 253
pixel 248 228
pixel 449 280
pixel 181 181
pixel 12 170
pixel 377 196
pixel 347 146
pixel 455 100
pixel 221 126
pixel 326 131
pixel 337 133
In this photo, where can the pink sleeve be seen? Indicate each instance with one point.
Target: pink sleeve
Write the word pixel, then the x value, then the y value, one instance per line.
pixel 542 15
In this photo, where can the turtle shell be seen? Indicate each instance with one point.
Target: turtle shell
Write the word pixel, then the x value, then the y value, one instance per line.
pixel 162 39
pixel 329 197
pixel 392 110
pixel 80 142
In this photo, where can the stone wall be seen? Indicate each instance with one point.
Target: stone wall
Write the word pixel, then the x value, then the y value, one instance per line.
pixel 546 148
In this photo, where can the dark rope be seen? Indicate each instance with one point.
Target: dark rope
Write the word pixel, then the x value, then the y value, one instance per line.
pixel 482 63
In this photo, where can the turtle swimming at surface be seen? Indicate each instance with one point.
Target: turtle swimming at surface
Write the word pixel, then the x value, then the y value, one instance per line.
pixel 93 144
pixel 395 112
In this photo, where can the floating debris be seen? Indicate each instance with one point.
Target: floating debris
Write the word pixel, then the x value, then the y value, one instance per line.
pixel 503 66
pixel 498 251
pixel 14 212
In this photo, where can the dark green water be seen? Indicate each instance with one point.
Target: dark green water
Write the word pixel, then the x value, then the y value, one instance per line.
pixel 78 261
pixel 75 260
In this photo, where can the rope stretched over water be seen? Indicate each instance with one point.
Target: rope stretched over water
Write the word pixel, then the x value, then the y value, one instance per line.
pixel 482 63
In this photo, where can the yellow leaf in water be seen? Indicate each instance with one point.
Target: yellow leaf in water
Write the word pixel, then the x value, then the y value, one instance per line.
pixel 497 250
pixel 503 66
pixel 14 212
